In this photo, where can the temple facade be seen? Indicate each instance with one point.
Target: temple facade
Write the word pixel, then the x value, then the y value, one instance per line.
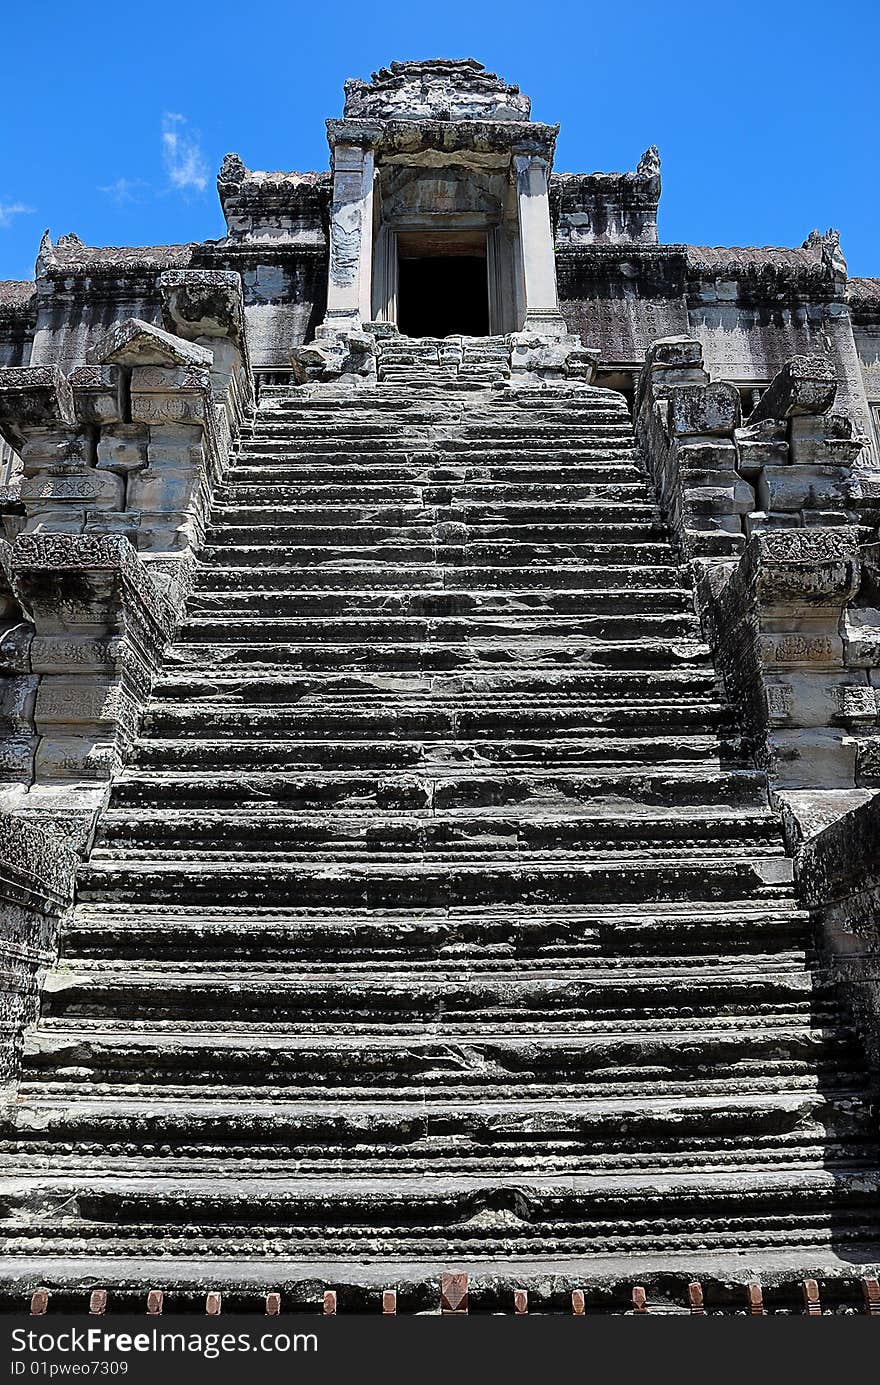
pixel 439 745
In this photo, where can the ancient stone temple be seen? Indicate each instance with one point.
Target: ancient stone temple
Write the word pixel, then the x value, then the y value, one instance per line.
pixel 441 649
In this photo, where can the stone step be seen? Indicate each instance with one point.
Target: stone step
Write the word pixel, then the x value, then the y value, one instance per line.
pixel 420 538
pixel 275 602
pixel 369 579
pixel 692 684
pixel 424 938
pixel 431 757
pixel 344 834
pixel 346 471
pixel 630 788
pixel 723 1052
pixel 517 653
pixel 257 1213
pixel 388 884
pixel 336 720
pixel 474 629
pixel 538 499
pixel 285 509
pixel 440 1125
pixel 433 915
pixel 255 553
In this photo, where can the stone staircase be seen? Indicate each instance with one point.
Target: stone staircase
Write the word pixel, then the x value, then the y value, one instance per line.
pixel 438 918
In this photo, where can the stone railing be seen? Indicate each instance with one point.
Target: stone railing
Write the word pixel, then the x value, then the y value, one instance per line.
pixel 777 628
pixel 118 465
pixel 769 513
pixel 350 357
pixel 97 622
pixel 772 515
pixel 721 481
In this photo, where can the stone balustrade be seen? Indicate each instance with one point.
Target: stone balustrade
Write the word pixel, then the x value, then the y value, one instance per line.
pixel 770 513
pixel 119 462
pixel 721 479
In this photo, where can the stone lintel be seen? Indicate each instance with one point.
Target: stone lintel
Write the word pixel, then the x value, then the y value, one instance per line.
pixel 405 140
pixel 34 397
pixel 136 343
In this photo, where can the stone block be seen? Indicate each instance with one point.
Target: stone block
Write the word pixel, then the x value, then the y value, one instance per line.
pixel 812 756
pixel 759 445
pixel 152 408
pixel 727 498
pixel 704 409
pixel 674 353
pixel 856 704
pixel 75 757
pixel 66 700
pixel 161 489
pixel 717 455
pixel 83 488
pixel 123 448
pixel 861 636
pixel 53 451
pixel 790 488
pixel 34 397
pixel 74 653
pixel 199 303
pixel 152 379
pixel 804 385
pixel 97 394
pixel 790 649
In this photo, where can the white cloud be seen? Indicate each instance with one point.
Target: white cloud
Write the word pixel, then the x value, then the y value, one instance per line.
pixel 8 210
pixel 125 189
pixel 185 163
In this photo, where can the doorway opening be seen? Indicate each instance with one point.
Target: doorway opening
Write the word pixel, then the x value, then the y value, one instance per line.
pixel 443 285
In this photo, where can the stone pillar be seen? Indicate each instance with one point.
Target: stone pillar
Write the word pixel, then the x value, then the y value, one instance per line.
pixel 542 313
pixel 349 286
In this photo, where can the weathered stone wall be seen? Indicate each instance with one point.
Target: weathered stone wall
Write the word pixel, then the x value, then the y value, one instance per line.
pixel 82 291
pixel 619 299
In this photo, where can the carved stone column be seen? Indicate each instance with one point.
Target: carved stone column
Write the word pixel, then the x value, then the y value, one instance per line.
pixel 541 303
pixel 349 287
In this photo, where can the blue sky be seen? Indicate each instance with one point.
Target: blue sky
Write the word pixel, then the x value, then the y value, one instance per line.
pixel 116 117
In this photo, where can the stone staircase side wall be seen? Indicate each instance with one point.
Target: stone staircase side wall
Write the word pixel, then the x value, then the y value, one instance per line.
pixel 119 462
pixel 838 872
pixel 772 517
pixel 36 886
pixel 769 514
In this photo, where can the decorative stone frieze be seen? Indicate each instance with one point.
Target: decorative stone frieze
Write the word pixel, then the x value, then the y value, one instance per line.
pixel 98 622
pixel 838 873
pixel 776 624
pixel 36 887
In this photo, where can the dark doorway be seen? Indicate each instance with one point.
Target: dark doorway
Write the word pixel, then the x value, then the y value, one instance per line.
pixel 442 295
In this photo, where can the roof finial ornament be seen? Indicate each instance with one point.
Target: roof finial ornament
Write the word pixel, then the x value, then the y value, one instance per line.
pixel 232 169
pixel 829 247
pixel 649 163
pixel 45 254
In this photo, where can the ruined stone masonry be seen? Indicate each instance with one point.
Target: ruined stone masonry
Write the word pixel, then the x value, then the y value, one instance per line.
pixel 439 661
